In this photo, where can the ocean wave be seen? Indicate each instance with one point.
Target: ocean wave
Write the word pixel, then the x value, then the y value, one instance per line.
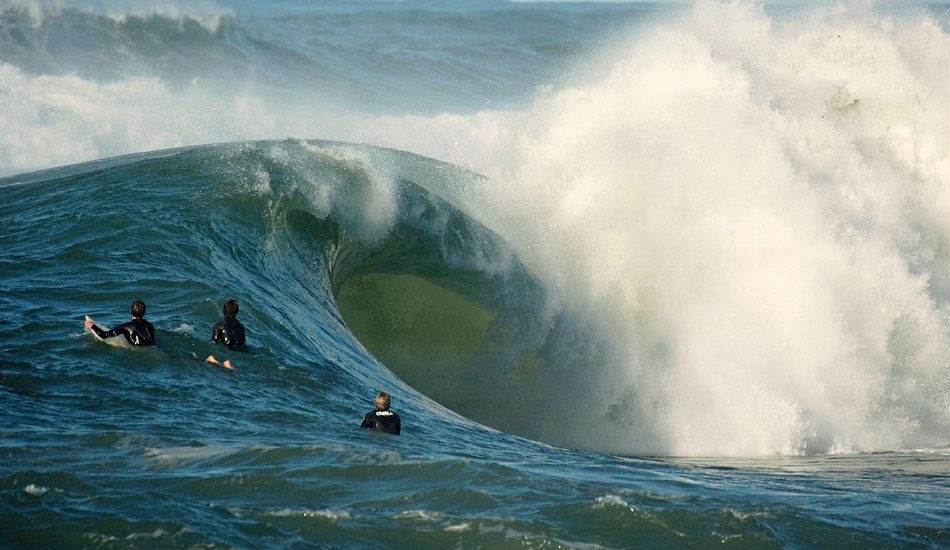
pixel 362 235
pixel 177 45
pixel 739 236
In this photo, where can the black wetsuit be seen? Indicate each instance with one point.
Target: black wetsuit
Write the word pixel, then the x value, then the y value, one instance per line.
pixel 382 421
pixel 138 332
pixel 229 332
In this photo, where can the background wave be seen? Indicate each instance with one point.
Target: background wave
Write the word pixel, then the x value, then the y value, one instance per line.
pixel 85 80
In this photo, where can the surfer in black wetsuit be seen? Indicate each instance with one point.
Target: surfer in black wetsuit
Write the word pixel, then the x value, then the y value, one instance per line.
pixel 228 331
pixel 138 331
pixel 382 419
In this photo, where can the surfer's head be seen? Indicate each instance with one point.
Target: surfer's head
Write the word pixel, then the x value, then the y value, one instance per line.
pixel 138 309
pixel 230 308
pixel 382 401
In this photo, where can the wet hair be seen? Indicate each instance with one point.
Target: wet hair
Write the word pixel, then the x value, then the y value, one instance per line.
pixel 230 308
pixel 138 308
pixel 382 401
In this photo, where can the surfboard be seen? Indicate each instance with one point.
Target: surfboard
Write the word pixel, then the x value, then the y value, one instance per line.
pixel 114 341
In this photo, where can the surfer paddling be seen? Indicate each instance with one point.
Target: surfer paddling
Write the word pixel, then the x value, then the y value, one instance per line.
pixel 138 331
pixel 228 331
pixel 382 419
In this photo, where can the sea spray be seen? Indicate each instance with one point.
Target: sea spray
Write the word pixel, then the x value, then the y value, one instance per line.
pixel 764 209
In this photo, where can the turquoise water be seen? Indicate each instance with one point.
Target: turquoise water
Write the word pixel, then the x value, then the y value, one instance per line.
pixel 635 279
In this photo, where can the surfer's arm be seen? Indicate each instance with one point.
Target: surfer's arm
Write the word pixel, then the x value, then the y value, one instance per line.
pixel 130 331
pixel 102 333
pixel 218 334
pixel 369 421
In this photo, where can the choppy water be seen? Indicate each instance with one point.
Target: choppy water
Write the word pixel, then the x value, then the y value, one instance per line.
pixel 637 276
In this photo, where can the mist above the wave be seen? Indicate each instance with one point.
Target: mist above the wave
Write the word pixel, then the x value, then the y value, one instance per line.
pixel 757 210
pixel 46 126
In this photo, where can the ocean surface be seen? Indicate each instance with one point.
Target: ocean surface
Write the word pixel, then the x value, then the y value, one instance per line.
pixel 637 276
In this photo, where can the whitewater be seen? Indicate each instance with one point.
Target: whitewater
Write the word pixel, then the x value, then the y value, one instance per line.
pixel 637 275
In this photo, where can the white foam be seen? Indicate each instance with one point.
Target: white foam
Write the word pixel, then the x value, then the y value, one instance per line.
pixel 177 455
pixel 758 210
pixel 611 500
pixel 35 490
pixel 423 515
pixel 332 515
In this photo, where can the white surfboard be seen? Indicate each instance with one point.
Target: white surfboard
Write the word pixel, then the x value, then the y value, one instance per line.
pixel 120 340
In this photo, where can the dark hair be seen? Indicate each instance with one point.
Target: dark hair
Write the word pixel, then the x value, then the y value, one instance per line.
pixel 138 308
pixel 230 308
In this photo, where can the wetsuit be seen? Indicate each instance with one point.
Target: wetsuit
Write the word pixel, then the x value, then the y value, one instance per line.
pixel 138 332
pixel 229 332
pixel 382 421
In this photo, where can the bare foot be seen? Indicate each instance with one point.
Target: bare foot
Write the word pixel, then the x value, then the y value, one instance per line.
pixel 227 362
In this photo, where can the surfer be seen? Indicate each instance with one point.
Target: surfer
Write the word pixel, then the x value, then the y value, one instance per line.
pixel 228 331
pixel 138 331
pixel 382 419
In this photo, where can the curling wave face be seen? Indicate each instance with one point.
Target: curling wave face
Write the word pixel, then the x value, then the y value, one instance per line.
pixel 305 231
